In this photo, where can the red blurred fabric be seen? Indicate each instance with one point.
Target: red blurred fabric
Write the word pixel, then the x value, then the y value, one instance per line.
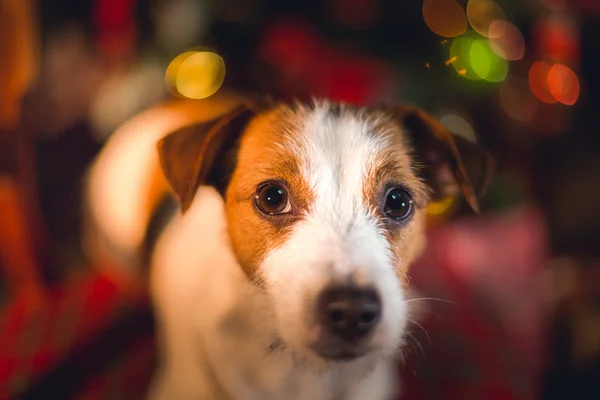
pixel 485 339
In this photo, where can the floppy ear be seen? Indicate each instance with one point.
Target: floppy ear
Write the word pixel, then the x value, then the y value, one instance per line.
pixel 195 155
pixel 449 163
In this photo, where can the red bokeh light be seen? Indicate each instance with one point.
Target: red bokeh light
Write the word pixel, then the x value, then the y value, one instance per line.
pixel 563 84
pixel 538 81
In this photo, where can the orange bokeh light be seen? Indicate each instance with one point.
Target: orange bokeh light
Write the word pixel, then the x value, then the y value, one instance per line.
pixel 538 81
pixel 481 15
pixel 445 17
pixel 563 84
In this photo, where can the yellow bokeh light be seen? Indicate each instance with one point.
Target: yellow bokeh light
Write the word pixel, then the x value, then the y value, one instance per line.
pixel 445 17
pixel 439 208
pixel 481 14
pixel 196 74
pixel 173 68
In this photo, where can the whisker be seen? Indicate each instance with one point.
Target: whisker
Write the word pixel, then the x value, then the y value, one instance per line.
pixel 437 314
pixel 420 326
pixel 431 298
pixel 417 343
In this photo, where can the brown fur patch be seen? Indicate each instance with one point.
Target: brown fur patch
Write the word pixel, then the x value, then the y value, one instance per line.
pixel 407 243
pixel 264 156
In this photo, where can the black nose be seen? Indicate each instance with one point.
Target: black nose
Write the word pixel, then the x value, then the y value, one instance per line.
pixel 349 312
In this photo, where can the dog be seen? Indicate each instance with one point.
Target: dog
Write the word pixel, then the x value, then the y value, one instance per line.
pixel 283 272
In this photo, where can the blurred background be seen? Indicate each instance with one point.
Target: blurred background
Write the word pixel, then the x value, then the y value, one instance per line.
pixel 522 281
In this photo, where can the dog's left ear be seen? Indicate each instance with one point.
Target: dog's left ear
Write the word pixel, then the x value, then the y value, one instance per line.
pixel 195 155
pixel 449 163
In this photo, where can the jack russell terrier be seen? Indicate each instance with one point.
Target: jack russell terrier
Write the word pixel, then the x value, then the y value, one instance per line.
pixel 285 273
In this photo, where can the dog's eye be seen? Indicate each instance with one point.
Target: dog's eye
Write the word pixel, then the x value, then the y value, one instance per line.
pixel 398 204
pixel 273 199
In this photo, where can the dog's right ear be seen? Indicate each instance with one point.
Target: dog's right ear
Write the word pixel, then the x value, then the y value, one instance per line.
pixel 448 163
pixel 189 155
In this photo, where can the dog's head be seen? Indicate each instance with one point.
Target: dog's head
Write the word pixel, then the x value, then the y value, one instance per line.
pixel 325 205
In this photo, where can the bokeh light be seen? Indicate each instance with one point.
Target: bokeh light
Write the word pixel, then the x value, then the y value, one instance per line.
pixel 554 5
pixel 506 40
pixel 563 84
pixel 179 23
pixel 486 63
pixel 482 13
pixel 549 122
pixel 557 37
pixel 441 207
pixel 445 17
pixel 516 100
pixel 196 74
pixel 173 68
pixel 538 81
pixel 460 50
pixel 458 125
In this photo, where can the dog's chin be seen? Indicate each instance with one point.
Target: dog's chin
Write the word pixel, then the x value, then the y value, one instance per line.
pixel 340 354
pixel 324 354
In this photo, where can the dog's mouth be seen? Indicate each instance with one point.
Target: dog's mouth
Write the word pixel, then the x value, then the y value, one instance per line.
pixel 332 348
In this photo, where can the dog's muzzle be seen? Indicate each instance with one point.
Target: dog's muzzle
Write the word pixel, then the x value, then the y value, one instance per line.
pixel 347 316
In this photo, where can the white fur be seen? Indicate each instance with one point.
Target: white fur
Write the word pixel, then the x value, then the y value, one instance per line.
pixel 215 326
pixel 340 238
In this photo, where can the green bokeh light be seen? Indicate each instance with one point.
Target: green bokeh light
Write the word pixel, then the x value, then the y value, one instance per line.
pixel 486 63
pixel 460 50
pixel 476 60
